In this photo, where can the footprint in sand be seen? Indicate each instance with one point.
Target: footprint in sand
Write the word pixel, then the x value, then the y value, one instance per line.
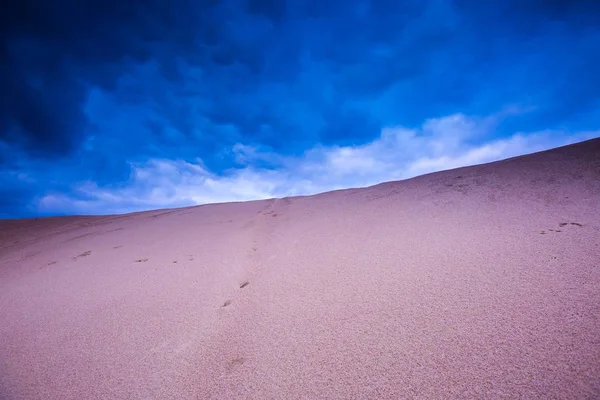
pixel 84 254
pixel 562 225
pixel 50 263
pixel 235 363
pixel 570 223
pixel 227 302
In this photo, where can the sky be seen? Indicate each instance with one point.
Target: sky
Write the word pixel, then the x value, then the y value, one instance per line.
pixel 111 106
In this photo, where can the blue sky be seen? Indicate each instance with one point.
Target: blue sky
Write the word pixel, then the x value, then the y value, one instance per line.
pixel 112 106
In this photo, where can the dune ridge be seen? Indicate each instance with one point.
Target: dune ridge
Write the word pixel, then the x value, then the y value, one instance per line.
pixel 477 282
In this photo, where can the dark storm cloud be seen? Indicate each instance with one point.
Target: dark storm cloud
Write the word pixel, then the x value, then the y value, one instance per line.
pixel 53 51
pixel 50 51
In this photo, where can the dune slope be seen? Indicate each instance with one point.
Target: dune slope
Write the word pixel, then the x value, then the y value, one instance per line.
pixel 479 282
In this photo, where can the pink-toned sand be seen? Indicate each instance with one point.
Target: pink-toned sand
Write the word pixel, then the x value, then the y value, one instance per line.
pixel 476 283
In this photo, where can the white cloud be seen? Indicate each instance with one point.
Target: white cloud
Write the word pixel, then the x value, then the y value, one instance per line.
pixel 398 153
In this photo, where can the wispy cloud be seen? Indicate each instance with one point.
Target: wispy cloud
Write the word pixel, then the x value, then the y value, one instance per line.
pixel 398 153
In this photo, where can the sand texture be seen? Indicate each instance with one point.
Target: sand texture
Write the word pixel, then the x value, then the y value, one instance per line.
pixel 476 283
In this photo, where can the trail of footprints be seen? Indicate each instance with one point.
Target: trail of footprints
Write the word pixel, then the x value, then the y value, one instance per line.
pixel 233 364
pixel 89 252
pixel 562 225
pixel 244 284
pixel 237 362
pixel 228 302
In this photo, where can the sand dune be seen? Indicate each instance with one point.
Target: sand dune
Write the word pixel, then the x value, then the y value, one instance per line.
pixel 479 282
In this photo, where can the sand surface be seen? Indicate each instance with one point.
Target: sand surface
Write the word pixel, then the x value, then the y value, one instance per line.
pixel 477 283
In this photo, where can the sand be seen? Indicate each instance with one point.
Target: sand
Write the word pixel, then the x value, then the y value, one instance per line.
pixel 476 283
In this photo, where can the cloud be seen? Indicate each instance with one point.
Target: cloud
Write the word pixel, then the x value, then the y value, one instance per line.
pixel 398 153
